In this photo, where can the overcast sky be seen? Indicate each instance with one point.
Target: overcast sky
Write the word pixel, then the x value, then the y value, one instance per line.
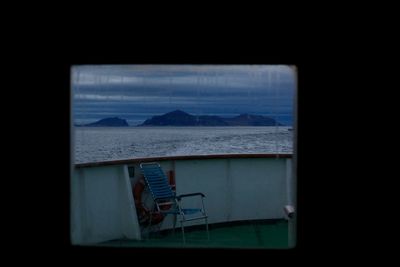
pixel 138 92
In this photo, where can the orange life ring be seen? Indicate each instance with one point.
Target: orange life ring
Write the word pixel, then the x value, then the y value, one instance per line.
pixel 143 212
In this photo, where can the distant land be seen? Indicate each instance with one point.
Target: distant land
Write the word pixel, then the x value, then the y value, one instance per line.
pixel 110 122
pixel 181 118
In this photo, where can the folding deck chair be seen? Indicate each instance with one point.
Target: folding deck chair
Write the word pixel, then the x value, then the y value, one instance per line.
pixel 163 196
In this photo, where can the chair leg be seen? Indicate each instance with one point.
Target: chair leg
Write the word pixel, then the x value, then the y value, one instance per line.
pixel 183 233
pixel 208 234
pixel 174 223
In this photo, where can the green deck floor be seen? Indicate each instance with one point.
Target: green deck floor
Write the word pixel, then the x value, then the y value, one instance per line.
pixel 245 236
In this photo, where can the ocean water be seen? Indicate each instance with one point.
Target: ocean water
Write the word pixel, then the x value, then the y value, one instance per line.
pixel 93 144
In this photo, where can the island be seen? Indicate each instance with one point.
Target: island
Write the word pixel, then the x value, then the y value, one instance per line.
pixel 107 122
pixel 181 118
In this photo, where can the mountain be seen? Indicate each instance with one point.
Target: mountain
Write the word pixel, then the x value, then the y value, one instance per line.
pixel 114 122
pixel 251 120
pixel 181 118
pixel 175 118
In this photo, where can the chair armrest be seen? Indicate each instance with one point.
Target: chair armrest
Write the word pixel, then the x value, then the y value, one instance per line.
pixel 190 195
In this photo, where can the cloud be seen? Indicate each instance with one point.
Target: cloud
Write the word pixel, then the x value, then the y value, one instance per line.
pixel 116 97
pixel 205 89
pixel 182 75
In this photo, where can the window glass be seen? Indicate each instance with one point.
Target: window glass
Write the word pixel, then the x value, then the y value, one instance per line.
pixel 138 111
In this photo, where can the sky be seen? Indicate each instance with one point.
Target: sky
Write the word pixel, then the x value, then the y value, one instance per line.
pixel 138 92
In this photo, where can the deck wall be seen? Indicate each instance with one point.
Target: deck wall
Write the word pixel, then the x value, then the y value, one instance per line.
pixel 102 205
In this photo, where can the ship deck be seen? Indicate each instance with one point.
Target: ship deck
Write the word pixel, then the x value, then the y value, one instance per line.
pixel 271 234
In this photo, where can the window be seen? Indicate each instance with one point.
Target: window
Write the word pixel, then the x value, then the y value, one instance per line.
pixel 138 111
pixel 239 118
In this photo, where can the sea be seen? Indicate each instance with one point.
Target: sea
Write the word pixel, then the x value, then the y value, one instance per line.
pixel 93 144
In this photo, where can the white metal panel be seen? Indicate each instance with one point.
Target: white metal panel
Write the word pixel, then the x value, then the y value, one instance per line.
pixel 235 189
pixel 102 202
pixel 258 188
pixel 129 220
pixel 76 220
pixel 209 177
pixel 102 205
pixel 102 208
